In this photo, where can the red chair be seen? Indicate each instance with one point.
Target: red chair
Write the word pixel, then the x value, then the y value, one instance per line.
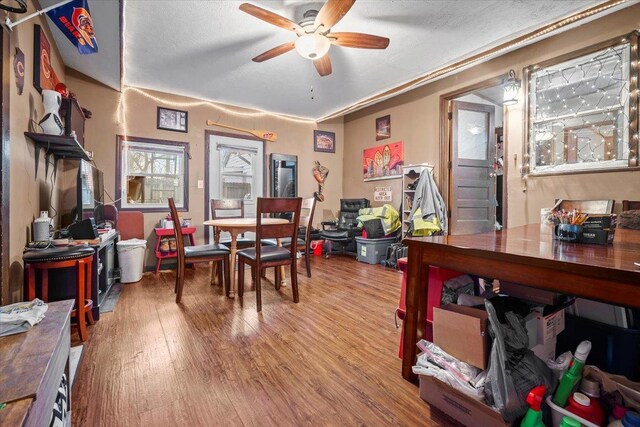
pixel 437 277
pixel 131 225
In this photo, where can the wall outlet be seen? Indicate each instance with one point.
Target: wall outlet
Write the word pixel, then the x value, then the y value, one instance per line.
pixel 200 184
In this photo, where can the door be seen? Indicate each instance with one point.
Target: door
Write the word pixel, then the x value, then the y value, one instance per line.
pixel 473 201
pixel 236 171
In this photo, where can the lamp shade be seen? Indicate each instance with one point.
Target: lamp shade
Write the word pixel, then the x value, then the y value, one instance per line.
pixel 511 89
pixel 312 46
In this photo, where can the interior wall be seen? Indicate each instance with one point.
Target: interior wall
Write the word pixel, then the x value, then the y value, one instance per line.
pixel 415 119
pixel 294 138
pixel 29 192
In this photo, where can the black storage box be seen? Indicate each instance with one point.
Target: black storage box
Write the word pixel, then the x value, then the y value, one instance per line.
pixel 613 349
pixel 600 222
pixel 597 237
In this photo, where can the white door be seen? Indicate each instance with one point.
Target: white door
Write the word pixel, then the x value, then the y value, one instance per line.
pixel 236 171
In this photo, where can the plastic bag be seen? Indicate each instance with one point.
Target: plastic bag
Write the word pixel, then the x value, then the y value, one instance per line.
pixel 513 369
pixel 435 362
pixel 560 365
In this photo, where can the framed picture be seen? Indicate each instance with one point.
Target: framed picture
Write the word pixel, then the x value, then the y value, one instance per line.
pixel 43 75
pixel 383 127
pixel 383 161
pixel 324 141
pixel 174 120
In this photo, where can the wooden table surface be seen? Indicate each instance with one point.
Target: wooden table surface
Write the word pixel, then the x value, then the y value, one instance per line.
pixel 526 255
pixel 235 226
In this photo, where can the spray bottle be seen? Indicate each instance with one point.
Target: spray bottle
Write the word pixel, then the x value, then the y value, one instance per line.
pixel 533 417
pixel 572 377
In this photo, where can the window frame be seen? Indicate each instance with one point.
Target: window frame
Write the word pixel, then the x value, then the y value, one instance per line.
pixel 633 162
pixel 120 139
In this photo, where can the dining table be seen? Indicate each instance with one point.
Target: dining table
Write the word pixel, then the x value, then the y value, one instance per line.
pixel 236 226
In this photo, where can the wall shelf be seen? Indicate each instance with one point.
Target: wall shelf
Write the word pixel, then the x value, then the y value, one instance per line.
pixel 61 147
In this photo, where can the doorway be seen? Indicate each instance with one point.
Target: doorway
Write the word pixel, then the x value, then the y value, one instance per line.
pixel 476 150
pixel 234 169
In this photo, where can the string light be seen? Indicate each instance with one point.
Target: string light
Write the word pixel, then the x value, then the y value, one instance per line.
pixel 121 112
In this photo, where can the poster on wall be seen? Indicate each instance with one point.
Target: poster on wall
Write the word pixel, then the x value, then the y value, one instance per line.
pixel 383 161
pixel 43 75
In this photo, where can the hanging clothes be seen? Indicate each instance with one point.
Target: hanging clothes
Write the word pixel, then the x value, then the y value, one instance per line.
pixel 429 213
pixel 387 214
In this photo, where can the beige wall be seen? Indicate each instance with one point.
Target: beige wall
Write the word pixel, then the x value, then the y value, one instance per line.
pixel 293 138
pixel 29 193
pixel 415 119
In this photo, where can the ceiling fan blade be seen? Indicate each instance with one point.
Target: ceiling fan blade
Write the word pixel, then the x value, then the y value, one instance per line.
pixel 332 12
pixel 359 40
pixel 270 17
pixel 323 65
pixel 276 51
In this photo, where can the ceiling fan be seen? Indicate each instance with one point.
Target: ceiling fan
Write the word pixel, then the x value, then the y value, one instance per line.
pixel 314 33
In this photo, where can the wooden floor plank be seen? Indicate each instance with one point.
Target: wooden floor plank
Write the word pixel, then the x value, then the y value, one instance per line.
pixel 329 360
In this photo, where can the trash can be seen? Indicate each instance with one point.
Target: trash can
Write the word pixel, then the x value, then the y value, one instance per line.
pixel 131 259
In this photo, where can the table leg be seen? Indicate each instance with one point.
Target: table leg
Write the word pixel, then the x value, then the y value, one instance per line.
pixel 416 315
pixel 232 264
pixel 214 266
pixel 282 270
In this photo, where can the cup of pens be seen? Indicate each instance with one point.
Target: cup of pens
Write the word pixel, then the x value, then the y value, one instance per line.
pixel 568 226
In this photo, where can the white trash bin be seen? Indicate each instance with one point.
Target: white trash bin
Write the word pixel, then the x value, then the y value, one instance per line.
pixel 131 259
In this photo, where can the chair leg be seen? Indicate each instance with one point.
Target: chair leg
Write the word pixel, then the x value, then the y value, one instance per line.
pixel 175 288
pixel 253 274
pixel 227 276
pixel 307 262
pixel 88 293
pixel 258 291
pixel 81 315
pixel 278 278
pixel 240 264
pixel 218 265
pixel 294 281
pixel 180 282
pixel 214 272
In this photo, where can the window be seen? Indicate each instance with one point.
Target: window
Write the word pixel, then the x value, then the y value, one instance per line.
pixel 150 172
pixel 583 111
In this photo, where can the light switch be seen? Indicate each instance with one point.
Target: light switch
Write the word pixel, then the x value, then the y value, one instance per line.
pixel 200 184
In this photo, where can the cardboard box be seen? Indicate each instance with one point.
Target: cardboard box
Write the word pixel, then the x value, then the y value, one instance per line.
pixel 462 332
pixel 549 326
pixel 546 351
pixel 600 222
pixel 527 293
pixel 598 237
pixel 458 405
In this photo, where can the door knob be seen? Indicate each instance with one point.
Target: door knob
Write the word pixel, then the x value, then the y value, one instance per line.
pixel 492 174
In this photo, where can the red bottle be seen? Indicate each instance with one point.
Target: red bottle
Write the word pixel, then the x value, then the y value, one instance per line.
pixel 580 404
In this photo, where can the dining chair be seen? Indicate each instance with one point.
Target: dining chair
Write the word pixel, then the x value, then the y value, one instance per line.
pixel 262 257
pixel 215 253
pixel 230 208
pixel 306 221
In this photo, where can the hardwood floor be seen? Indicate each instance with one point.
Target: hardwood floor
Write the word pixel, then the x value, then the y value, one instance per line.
pixel 329 360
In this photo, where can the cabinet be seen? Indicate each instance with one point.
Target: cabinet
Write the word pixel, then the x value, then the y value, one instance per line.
pixel 410 175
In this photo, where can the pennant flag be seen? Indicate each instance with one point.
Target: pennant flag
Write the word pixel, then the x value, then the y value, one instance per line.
pixel 74 20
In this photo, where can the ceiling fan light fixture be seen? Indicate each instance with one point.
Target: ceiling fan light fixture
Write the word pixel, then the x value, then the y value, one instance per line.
pixel 511 88
pixel 312 46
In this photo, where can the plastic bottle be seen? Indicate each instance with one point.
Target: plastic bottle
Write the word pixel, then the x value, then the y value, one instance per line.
pixel 533 417
pixel 590 387
pixel 569 422
pixel 631 419
pixel 573 375
pixel 617 414
pixel 580 404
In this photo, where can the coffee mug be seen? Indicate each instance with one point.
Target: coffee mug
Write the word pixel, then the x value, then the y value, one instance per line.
pixel 567 232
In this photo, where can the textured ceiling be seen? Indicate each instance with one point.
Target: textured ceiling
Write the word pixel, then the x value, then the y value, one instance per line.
pixel 203 48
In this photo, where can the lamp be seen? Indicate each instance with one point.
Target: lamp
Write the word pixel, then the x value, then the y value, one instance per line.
pixel 312 46
pixel 511 88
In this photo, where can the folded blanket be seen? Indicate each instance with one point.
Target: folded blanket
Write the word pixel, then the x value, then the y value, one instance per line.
pixel 20 317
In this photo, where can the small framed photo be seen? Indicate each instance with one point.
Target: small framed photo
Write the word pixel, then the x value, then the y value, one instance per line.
pixel 174 120
pixel 324 141
pixel 383 127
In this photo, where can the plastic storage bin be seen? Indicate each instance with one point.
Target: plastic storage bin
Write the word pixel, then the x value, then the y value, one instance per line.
pixel 557 413
pixel 614 349
pixel 372 251
pixel 131 259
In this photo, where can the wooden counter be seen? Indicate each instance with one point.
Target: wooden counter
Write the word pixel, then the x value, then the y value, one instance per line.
pixel 524 255
pixel 31 367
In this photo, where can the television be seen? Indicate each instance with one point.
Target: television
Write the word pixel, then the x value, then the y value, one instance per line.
pixel 83 196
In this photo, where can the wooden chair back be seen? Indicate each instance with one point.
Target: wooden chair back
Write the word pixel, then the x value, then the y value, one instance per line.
pixel 588 206
pixel 178 231
pixel 306 216
pixel 630 205
pixel 278 205
pixel 227 205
